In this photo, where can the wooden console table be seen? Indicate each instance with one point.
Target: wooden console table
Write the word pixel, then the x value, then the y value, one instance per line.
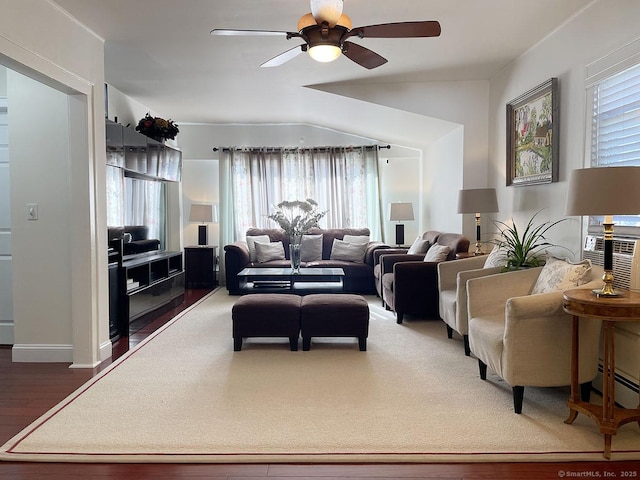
pixel 626 308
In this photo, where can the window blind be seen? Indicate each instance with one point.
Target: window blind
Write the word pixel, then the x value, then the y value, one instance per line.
pixel 616 120
pixel 615 127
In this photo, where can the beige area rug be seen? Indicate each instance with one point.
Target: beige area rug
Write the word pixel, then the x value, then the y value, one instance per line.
pixel 184 395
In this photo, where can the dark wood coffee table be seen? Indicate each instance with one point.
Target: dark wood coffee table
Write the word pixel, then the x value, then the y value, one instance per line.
pixel 283 280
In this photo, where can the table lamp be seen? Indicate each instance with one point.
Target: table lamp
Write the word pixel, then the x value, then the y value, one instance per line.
pixel 204 215
pixel 398 212
pixel 605 191
pixel 477 200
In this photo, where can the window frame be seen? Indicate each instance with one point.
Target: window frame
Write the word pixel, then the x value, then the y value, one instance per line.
pixel 597 73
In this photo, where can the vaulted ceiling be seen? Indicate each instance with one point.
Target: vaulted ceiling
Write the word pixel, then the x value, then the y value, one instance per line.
pixel 160 52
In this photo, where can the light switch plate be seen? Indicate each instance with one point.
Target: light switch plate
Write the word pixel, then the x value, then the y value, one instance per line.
pixel 32 211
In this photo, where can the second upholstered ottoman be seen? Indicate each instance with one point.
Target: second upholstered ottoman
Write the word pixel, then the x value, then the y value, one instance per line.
pixel 334 315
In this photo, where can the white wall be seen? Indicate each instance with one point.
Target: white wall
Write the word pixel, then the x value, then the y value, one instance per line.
pixel 200 180
pixel 200 167
pixel 6 275
pixel 400 182
pixel 40 171
pixel 602 28
pixel 69 59
pixel 442 182
pixel 430 112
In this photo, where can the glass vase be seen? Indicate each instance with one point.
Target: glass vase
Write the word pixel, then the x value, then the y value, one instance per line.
pixel 294 255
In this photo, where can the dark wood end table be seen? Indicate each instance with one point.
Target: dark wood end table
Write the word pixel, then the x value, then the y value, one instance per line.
pixel 626 308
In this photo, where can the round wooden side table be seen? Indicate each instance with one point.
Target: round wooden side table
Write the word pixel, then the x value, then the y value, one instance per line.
pixel 626 308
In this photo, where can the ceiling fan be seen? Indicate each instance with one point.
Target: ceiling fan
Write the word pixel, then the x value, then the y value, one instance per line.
pixel 326 31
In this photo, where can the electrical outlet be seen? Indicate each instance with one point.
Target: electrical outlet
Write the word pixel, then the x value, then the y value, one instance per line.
pixel 32 211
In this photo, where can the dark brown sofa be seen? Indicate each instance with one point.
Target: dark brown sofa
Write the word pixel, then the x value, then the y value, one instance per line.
pixel 135 239
pixel 358 276
pixel 408 284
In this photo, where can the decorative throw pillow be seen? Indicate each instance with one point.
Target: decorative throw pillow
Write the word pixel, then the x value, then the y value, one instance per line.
pixel 419 246
pixel 497 258
pixel 356 239
pixel 269 251
pixel 311 248
pixel 350 252
pixel 436 253
pixel 561 274
pixel 251 241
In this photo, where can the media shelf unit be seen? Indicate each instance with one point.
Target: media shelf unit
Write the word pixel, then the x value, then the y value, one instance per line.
pixel 149 283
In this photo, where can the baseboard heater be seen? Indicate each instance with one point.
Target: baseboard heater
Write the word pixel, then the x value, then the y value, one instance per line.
pixel 627 390
pixel 626 274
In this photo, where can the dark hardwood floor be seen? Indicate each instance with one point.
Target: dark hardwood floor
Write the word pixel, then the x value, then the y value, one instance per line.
pixel 28 390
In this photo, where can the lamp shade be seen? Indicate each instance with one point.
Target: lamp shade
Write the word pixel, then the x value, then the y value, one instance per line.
pixel 477 200
pixel 327 11
pixel 401 211
pixel 201 213
pixel 604 191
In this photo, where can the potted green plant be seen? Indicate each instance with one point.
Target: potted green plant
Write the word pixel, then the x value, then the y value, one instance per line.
pixel 523 249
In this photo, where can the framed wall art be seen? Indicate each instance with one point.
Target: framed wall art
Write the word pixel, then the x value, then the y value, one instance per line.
pixel 532 136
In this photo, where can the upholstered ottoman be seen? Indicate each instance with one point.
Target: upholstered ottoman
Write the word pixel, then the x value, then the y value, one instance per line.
pixel 266 315
pixel 334 315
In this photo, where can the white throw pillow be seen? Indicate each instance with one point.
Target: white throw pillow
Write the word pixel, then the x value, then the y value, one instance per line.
pixel 561 274
pixel 311 248
pixel 356 239
pixel 436 253
pixel 251 241
pixel 350 252
pixel 269 251
pixel 419 246
pixel 497 258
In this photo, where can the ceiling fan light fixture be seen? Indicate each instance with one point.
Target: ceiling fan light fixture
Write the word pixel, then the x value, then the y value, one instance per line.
pixel 325 53
pixel 345 21
pixel 326 11
pixel 306 21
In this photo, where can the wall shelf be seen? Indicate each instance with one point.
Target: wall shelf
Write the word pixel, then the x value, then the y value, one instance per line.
pixel 140 156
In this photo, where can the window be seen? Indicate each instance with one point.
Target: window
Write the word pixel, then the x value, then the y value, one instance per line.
pixel 134 201
pixel 615 126
pixel 343 180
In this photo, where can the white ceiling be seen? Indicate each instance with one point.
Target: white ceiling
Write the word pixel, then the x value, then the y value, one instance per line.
pixel 160 52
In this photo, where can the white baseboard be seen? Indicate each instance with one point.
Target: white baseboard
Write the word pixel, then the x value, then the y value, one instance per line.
pixel 42 353
pixel 105 350
pixel 6 333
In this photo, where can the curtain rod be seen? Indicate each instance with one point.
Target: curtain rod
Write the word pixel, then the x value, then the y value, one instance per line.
pixel 226 149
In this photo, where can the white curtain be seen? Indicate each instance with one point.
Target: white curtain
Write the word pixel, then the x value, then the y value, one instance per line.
pixel 144 205
pixel 343 180
pixel 115 196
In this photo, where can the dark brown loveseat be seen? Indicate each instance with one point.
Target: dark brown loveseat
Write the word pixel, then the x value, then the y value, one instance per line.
pixel 135 239
pixel 408 284
pixel 358 275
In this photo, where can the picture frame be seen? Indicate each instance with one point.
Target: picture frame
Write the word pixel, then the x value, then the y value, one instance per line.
pixel 532 136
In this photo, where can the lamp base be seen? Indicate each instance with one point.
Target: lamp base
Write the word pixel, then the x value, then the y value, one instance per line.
pixel 607 290
pixel 202 234
pixel 399 234
pixel 612 294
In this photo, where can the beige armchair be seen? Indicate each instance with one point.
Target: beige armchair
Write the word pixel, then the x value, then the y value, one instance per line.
pixel 452 288
pixel 526 339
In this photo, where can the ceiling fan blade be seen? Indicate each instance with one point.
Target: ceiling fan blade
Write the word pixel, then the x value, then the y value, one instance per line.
pixel 362 56
pixel 225 31
pixel 429 28
pixel 284 56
